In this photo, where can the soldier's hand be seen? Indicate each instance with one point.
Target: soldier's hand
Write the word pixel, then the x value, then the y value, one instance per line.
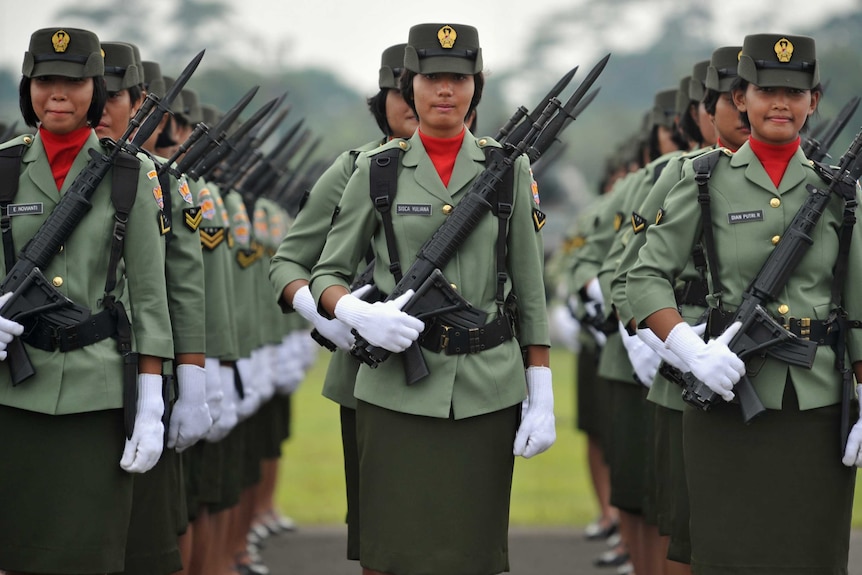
pixel 537 431
pixel 382 324
pixel 652 340
pixel 853 451
pixel 228 419
pixel 644 360
pixel 712 363
pixel 8 329
pixel 190 417
pixel 143 450
pixel 332 329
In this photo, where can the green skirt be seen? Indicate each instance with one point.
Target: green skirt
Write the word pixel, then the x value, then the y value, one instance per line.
pixel 680 537
pixel 434 493
pixel 351 479
pixel 65 500
pixel 231 448
pixel 592 398
pixel 771 497
pixel 628 446
pixel 661 485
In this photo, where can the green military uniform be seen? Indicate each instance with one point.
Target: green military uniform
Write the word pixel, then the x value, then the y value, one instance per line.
pixel 799 429
pixel 85 385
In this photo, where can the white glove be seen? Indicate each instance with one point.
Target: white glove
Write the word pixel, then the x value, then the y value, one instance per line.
pixel 565 329
pixel 334 330
pixel 190 418
pixel 230 398
pixel 8 329
pixel 644 360
pixel 214 391
pixel 594 306
pixel 537 431
pixel 262 366
pixel 294 365
pixel 143 450
pixel 309 349
pixel 251 398
pixel 652 340
pixel 712 363
pixel 853 451
pixel 382 324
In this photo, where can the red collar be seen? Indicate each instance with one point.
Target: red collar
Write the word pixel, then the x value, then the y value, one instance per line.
pixel 774 157
pixel 443 152
pixel 62 149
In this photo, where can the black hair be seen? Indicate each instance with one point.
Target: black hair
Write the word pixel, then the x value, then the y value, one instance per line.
pixel 653 147
pixel 406 85
pixel 742 85
pixel 688 124
pixel 94 113
pixel 710 100
pixel 377 107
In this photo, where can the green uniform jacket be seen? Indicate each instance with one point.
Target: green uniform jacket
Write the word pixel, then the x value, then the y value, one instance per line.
pixel 90 378
pixel 270 321
pixel 221 337
pixel 184 270
pixel 244 278
pixel 740 185
pixel 662 392
pixel 469 384
pixel 301 248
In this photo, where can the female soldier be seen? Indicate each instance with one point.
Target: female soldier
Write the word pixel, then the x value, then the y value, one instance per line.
pixel 300 250
pixel 79 370
pixel 449 436
pixel 740 517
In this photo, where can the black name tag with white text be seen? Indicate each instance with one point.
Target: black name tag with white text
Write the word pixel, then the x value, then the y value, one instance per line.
pixel 25 209
pixel 413 209
pixel 745 217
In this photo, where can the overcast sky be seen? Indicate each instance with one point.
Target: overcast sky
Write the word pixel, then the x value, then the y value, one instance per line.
pixel 349 35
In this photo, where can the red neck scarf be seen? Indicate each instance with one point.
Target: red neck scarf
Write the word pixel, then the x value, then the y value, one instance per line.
pixel 442 152
pixel 774 157
pixel 719 144
pixel 62 149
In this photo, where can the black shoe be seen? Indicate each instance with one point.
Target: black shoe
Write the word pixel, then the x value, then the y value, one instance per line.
pixel 595 531
pixel 612 558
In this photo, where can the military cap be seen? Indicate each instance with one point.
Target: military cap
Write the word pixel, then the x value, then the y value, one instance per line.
pixel 178 104
pixel 682 98
pixel 153 81
pixel 391 65
pixel 664 108
pixel 211 115
pixel 191 111
pixel 121 72
pixel 434 48
pixel 698 79
pixel 776 60
pixel 69 52
pixel 722 69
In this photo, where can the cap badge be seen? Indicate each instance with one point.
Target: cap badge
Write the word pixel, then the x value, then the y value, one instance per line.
pixel 60 40
pixel 784 50
pixel 739 56
pixel 447 36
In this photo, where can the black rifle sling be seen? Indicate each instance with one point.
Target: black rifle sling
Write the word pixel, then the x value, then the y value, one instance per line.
pixel 503 210
pixel 166 215
pixel 383 185
pixel 10 172
pixel 703 166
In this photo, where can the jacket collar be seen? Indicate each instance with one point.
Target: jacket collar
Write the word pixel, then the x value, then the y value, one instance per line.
pixel 754 172
pixel 465 170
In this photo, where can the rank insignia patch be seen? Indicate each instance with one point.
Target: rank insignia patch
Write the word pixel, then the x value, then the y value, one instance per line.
pixel 211 238
pixel 192 218
pixel 164 223
pixel 539 219
pixel 638 223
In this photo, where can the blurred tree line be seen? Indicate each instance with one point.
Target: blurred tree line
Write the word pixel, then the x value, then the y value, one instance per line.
pixel 338 114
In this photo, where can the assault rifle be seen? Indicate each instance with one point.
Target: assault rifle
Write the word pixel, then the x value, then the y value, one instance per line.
pixel 520 127
pixel 760 334
pixel 433 294
pixel 32 294
pixel 816 147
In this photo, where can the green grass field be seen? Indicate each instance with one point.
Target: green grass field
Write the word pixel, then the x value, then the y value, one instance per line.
pixel 550 489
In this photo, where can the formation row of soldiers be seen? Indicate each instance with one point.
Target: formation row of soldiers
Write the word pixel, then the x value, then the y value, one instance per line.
pixel 687 484
pixel 202 441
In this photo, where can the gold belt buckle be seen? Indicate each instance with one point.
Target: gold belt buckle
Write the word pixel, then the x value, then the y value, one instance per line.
pixel 805 327
pixel 444 337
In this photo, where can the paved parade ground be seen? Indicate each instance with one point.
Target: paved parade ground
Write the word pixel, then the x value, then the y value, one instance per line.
pixel 533 551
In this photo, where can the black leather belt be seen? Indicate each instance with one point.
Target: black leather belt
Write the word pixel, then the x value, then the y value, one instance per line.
pixel 811 329
pixel 47 337
pixel 457 340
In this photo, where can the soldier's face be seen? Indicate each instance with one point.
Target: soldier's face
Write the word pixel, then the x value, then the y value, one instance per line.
pixel 704 123
pixel 442 101
pixel 400 117
pixel 115 116
pixel 61 103
pixel 776 114
pixel 728 125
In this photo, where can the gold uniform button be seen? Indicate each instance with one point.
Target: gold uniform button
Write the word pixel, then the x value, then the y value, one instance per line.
pixel 774 202
pixel 57 281
pixel 28 140
pixel 454 287
pixel 775 240
pixel 447 209
pixel 403 145
pixel 783 309
pixel 483 142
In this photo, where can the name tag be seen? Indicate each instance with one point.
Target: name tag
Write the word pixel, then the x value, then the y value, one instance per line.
pixel 745 217
pixel 24 209
pixel 413 209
